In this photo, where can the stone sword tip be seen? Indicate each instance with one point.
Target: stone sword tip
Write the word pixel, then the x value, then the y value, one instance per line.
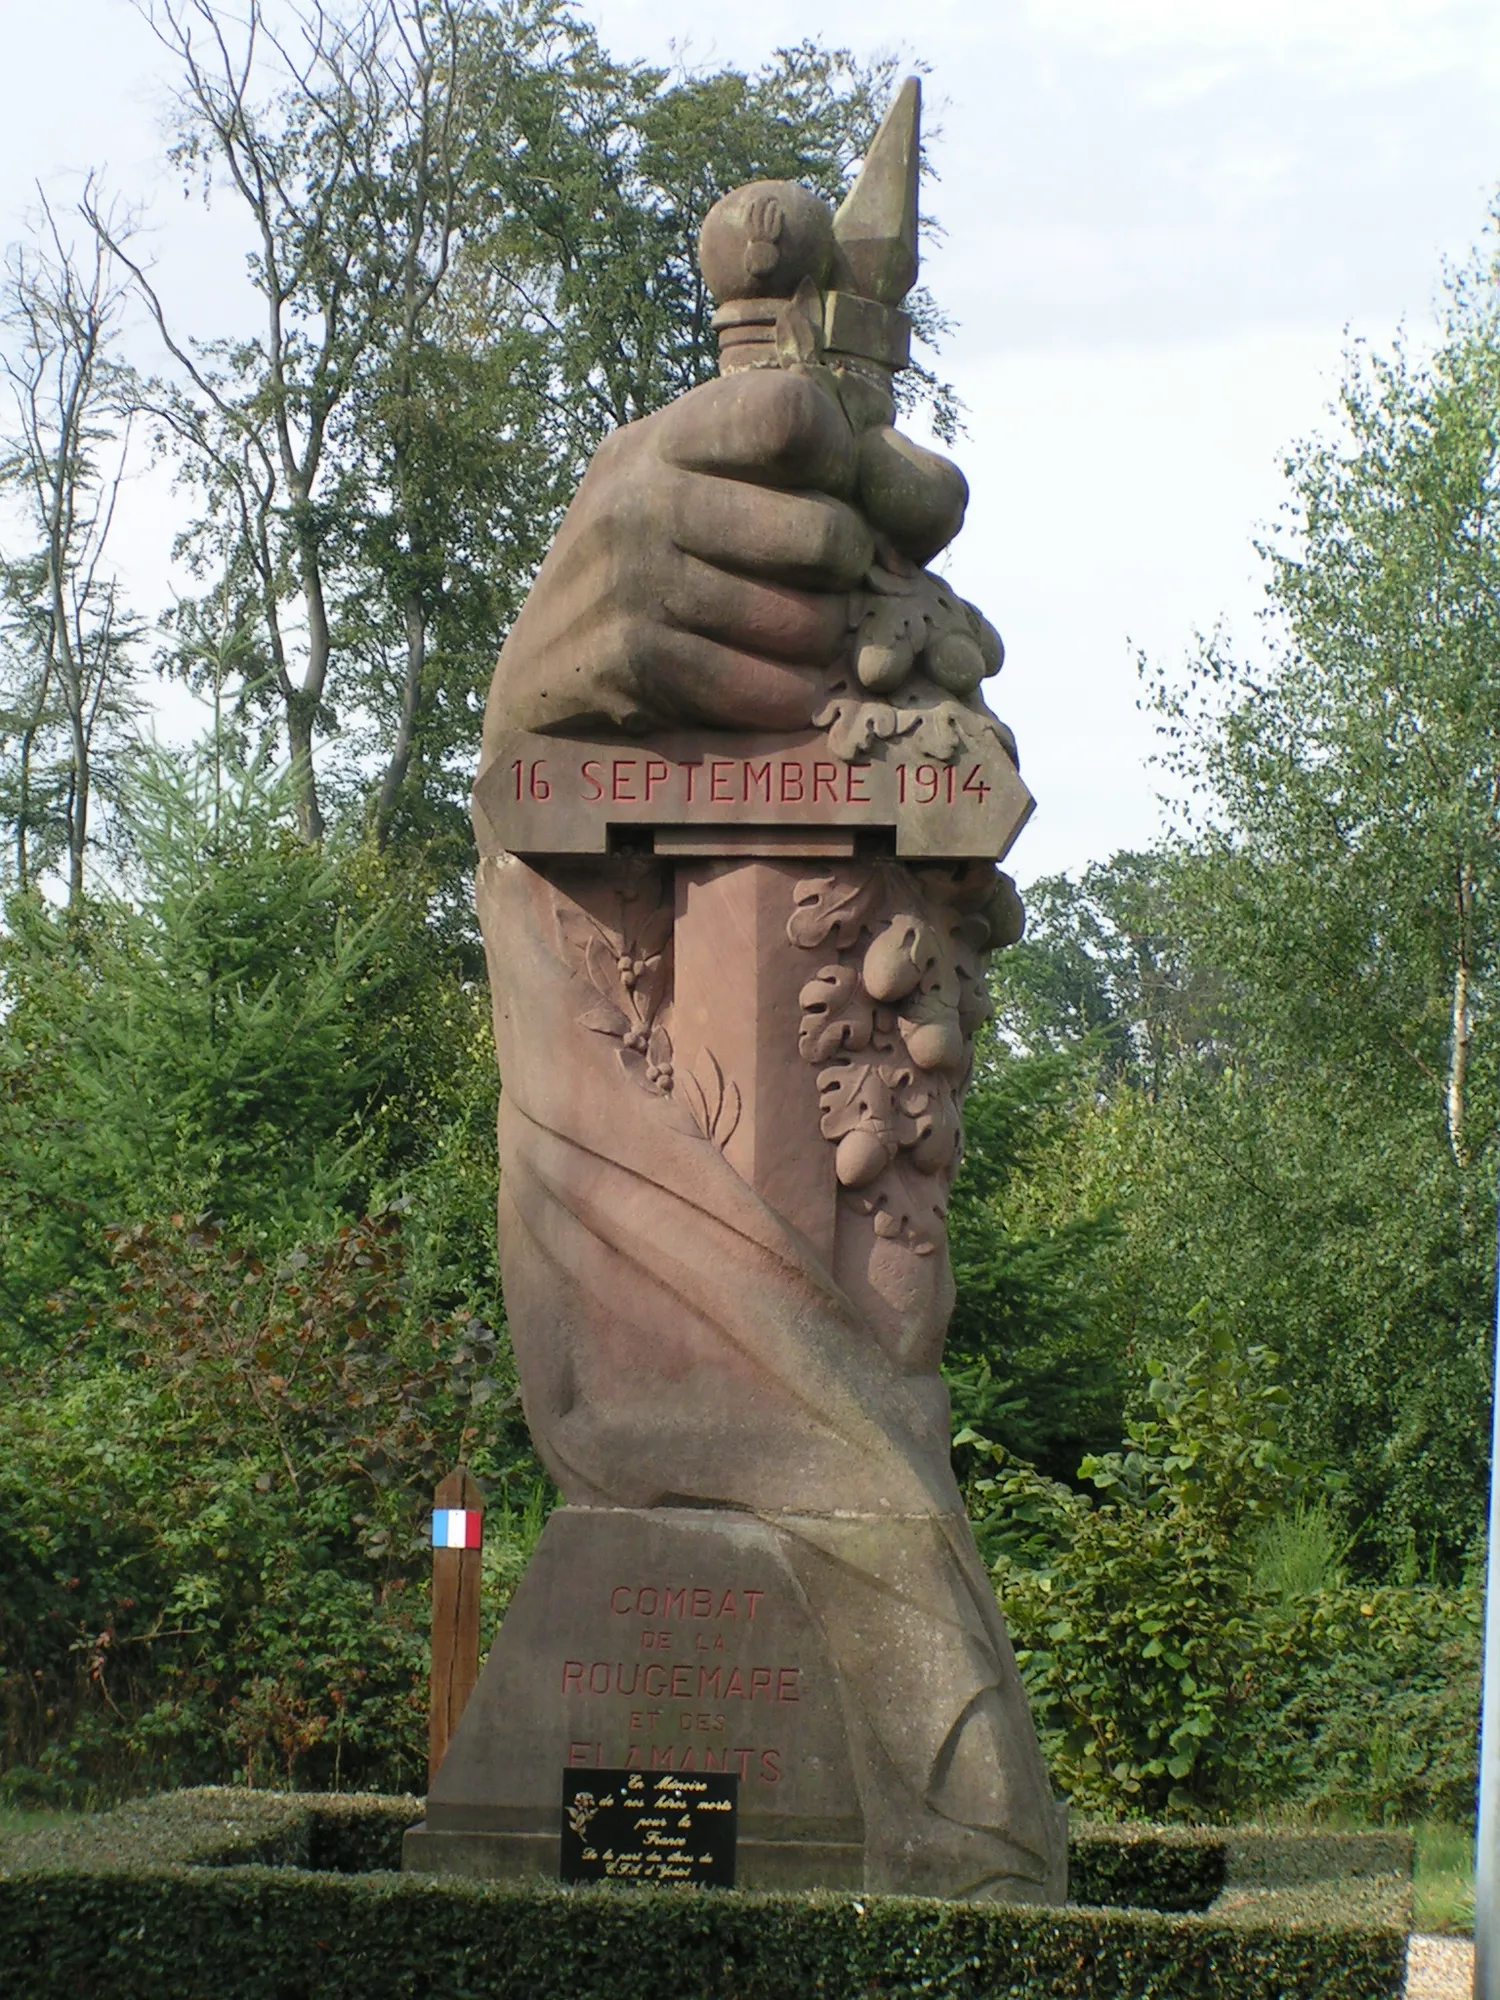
pixel 875 230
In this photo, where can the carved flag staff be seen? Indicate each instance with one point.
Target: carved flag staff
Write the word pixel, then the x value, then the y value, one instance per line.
pixel 738 814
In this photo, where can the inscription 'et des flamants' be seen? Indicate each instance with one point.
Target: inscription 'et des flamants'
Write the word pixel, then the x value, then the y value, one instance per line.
pixel 566 795
pixel 689 1687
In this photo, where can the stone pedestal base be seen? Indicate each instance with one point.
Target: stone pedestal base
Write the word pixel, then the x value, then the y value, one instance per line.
pixel 669 1639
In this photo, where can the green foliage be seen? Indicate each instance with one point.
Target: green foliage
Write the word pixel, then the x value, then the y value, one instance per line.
pixel 267 1032
pixel 1188 1641
pixel 213 1515
pixel 160 1899
pixel 1444 1880
pixel 1367 1704
pixel 1024 1361
pixel 1296 1080
pixel 1136 1637
pixel 479 236
pixel 1315 1198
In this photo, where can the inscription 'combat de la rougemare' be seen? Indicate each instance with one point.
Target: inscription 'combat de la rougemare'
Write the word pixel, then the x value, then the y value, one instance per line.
pixel 646 1712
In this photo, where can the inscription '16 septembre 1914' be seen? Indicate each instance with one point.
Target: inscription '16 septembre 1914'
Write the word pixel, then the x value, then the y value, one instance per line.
pixel 563 795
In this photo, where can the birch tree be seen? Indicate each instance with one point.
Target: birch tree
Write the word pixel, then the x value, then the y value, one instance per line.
pixel 67 641
pixel 1348 865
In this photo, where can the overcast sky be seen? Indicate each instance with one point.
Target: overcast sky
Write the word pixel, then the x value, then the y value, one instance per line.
pixel 1161 218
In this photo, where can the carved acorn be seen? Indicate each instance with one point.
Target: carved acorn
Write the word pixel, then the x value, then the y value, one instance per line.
pixel 932 1033
pixel 940 1140
pixel 935 1044
pixel 898 959
pixel 955 661
pixel 891 634
pixel 860 1158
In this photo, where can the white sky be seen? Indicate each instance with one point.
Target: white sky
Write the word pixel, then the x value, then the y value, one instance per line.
pixel 1161 217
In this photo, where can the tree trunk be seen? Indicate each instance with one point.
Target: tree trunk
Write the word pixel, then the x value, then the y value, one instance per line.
pixel 406 729
pixel 299 730
pixel 1463 1026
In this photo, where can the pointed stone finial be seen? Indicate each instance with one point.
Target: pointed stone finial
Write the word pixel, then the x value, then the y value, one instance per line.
pixel 876 228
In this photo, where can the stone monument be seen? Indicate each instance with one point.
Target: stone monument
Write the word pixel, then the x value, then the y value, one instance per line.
pixel 738 814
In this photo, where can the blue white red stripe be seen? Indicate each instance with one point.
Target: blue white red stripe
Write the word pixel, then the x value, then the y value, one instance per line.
pixel 456 1528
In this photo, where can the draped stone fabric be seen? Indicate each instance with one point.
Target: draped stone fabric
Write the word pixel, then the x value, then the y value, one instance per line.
pixel 732 1088
pixel 681 1344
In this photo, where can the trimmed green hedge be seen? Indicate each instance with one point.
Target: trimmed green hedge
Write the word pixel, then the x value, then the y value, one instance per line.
pixel 224 1895
pixel 1141 1867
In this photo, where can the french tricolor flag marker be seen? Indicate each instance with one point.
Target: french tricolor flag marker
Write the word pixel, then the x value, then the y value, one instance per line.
pixel 456 1528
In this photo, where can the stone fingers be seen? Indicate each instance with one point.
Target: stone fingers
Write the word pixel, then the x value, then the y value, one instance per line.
pixel 698 680
pixel 770 620
pixel 766 426
pixel 804 539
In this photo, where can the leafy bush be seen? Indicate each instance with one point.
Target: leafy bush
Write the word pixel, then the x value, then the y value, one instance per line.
pixel 1366 1702
pixel 1188 1641
pixel 1137 1629
pixel 213 1516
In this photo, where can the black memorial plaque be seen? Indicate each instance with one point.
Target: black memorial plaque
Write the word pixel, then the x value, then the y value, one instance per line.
pixel 649 1826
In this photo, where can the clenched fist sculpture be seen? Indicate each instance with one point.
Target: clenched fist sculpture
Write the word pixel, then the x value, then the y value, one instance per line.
pixel 735 1013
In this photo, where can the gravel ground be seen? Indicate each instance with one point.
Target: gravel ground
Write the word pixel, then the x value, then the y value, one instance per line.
pixel 1439 1968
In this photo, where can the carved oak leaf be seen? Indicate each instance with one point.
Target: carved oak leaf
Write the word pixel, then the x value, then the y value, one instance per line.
pixel 919 715
pixel 836 1014
pixel 827 908
pixel 861 1114
pixel 907 1205
pixel 853 1094
pixel 855 726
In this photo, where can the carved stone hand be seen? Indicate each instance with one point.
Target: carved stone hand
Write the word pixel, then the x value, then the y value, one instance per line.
pixel 702 573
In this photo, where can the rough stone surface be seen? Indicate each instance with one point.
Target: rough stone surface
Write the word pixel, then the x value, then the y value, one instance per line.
pixel 738 814
pixel 669 1640
pixel 1439 1968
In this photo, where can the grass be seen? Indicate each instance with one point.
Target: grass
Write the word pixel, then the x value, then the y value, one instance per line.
pixel 15 1820
pixel 1444 1885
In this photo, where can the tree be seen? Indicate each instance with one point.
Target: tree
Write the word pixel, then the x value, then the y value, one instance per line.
pixel 1031 1359
pixel 1327 1163
pixel 1104 962
pixel 68 635
pixel 473 256
pixel 258 1030
pixel 1350 851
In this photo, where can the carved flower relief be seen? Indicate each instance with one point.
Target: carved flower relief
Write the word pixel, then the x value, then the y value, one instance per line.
pixel 890 1026
pixel 627 959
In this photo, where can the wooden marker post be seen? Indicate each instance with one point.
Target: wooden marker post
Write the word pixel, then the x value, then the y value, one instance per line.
pixel 457 1533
